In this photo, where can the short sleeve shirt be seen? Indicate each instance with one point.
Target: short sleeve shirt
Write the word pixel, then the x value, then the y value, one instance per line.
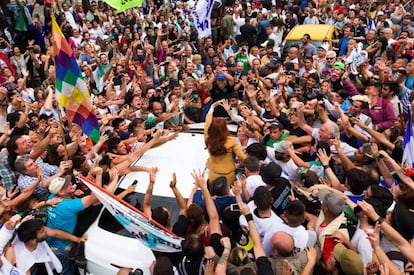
pixel 64 217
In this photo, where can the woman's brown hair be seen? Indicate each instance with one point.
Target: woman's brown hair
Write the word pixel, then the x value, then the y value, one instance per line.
pixel 217 136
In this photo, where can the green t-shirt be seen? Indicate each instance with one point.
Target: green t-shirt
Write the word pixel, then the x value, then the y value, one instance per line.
pixel 271 142
pixel 243 58
pixel 319 164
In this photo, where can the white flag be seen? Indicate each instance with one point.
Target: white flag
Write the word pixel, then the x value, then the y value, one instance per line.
pixel 202 17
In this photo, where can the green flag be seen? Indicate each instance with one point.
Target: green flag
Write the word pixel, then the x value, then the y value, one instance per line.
pixel 121 5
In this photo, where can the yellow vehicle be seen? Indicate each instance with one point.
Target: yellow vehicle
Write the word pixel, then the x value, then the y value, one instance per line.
pixel 319 33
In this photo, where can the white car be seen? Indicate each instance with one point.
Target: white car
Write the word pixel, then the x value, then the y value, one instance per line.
pixel 107 249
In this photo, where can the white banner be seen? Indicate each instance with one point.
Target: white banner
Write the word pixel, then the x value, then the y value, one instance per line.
pixel 201 15
pixel 7 269
pixel 151 234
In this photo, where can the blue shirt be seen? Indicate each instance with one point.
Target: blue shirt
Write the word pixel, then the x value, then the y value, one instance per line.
pixel 343 45
pixel 221 202
pixel 64 217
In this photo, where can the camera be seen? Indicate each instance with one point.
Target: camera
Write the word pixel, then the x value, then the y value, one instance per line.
pixel 38 214
pixel 350 116
pixel 117 79
pixel 322 103
pixel 319 96
pixel 108 133
pixel 137 271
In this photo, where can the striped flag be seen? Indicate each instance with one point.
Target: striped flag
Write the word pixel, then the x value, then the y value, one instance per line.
pixel 408 156
pixel 72 93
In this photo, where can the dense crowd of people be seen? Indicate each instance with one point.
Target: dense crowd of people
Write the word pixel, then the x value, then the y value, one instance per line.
pixel 313 182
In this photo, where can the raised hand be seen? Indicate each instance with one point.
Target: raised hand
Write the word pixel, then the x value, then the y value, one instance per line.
pixel 153 173
pixel 244 209
pixel 173 182
pixel 199 179
pixel 53 202
pixel 323 157
pixel 312 254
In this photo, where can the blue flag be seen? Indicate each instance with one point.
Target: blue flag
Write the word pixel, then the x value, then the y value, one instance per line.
pixel 408 156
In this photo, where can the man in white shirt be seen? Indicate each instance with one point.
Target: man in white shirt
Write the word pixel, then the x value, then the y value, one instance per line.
pixel 69 14
pixel 327 132
pixel 261 209
pixel 311 18
pixel 359 102
pixel 253 180
pixel 280 156
pixel 295 216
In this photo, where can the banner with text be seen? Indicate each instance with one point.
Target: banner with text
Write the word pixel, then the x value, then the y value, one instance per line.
pixel 153 235
pixel 201 15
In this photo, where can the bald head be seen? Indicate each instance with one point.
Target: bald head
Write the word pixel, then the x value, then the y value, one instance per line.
pixel 282 244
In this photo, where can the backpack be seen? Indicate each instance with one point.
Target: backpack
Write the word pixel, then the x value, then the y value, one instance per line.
pixel 312 204
pixel 77 255
pixel 351 223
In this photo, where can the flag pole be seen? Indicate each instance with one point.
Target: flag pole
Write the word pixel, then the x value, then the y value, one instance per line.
pixel 62 133
pixel 400 115
pixel 406 4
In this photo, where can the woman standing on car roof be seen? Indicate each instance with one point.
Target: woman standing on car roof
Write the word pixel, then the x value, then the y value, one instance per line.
pixel 221 147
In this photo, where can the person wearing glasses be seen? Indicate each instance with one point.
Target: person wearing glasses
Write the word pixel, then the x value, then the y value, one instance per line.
pixel 326 68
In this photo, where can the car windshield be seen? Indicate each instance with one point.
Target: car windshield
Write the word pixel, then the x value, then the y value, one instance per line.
pixel 290 43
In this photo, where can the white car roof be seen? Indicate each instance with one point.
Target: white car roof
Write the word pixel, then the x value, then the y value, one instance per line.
pixel 181 155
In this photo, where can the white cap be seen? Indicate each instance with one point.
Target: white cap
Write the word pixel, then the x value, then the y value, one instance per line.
pixel 56 185
pixel 324 46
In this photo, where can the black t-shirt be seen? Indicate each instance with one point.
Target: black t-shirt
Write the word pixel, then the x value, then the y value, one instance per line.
pixel 337 85
pixel 264 267
pixel 280 194
pixel 403 220
pixel 181 226
pixel 359 31
pixel 195 267
pixel 218 93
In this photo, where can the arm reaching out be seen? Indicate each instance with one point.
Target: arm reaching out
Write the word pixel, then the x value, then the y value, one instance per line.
pixel 178 196
pixel 148 193
pixel 201 182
